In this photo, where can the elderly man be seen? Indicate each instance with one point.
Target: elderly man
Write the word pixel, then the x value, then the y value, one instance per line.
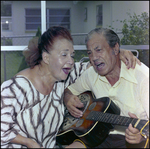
pixel 108 76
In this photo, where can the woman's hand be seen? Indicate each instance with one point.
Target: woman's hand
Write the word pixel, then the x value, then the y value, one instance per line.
pixel 72 103
pixel 32 144
pixel 25 141
pixel 129 59
pixel 132 135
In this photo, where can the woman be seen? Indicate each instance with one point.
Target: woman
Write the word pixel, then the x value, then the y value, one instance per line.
pixel 34 95
pixel 32 101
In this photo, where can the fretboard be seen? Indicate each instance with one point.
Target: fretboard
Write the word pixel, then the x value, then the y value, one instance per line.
pixel 119 120
pixel 111 118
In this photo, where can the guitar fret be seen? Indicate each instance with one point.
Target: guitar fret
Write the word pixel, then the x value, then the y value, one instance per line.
pixel 119 120
pixel 105 117
pixel 99 117
pixel 134 122
pixel 112 118
pixel 116 119
pixel 129 120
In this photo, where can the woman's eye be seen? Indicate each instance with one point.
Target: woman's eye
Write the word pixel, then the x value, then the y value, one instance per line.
pixel 99 50
pixel 64 54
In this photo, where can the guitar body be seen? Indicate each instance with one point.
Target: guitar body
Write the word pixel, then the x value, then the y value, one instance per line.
pixel 92 133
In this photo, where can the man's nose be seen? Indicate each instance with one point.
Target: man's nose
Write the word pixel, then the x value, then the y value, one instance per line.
pixel 94 55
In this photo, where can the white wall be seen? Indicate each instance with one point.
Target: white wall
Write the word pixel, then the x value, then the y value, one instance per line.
pixel 18 19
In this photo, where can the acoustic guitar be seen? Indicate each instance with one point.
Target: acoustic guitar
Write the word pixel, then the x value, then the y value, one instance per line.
pixel 99 116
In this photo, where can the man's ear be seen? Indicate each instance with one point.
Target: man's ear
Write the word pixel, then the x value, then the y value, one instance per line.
pixel 45 57
pixel 116 49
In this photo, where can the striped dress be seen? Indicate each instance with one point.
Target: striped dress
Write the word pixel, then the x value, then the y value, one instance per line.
pixel 27 112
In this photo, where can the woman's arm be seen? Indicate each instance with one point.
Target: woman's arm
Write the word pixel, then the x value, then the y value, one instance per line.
pixel 128 58
pixel 25 141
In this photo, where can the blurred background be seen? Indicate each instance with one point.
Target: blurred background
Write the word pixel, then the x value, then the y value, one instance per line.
pixel 23 20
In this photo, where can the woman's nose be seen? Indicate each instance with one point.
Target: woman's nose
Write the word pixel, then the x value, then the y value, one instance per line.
pixel 71 60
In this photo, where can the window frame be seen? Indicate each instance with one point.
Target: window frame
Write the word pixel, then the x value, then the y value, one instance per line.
pixel 99 15
pixel 48 24
pixel 47 17
pixel 7 19
pixel 30 16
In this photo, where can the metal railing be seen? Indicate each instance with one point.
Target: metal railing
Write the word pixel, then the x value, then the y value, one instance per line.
pixel 12 57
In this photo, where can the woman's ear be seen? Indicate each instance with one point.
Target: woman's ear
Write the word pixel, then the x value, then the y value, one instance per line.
pixel 45 57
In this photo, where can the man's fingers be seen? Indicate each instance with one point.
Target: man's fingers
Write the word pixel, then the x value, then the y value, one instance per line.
pixel 78 103
pixel 132 115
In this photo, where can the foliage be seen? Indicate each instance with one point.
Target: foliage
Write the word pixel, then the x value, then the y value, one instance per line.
pixel 23 64
pixel 38 33
pixel 136 30
pixel 6 41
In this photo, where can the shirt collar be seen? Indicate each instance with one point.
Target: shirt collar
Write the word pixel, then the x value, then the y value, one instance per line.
pixel 127 74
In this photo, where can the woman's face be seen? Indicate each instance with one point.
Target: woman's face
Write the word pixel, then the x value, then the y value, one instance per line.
pixel 61 59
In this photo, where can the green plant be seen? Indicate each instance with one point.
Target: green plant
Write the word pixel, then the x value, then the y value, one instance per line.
pixel 38 33
pixel 136 30
pixel 6 42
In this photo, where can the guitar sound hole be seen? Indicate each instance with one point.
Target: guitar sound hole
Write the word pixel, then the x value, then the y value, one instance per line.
pixel 79 123
pixel 92 106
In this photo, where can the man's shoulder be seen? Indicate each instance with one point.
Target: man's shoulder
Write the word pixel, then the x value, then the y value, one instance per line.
pixel 142 69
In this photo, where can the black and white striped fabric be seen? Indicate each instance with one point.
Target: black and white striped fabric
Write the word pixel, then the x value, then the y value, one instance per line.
pixel 31 114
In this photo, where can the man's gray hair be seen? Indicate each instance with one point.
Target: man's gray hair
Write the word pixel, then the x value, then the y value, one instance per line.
pixel 111 37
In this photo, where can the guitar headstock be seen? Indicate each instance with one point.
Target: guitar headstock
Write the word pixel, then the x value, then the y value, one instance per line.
pixel 143 126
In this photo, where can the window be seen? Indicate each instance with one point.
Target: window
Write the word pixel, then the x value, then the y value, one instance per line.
pixel 99 15
pixel 32 19
pixel 6 16
pixel 58 17
pixel 53 17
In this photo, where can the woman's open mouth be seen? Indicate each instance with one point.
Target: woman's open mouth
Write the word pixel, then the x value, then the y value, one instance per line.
pixel 66 70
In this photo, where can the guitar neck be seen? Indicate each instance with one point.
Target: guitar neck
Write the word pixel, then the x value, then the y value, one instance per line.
pixel 111 118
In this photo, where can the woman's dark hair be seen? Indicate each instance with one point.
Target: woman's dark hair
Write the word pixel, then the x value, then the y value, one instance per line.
pixel 33 54
pixel 111 37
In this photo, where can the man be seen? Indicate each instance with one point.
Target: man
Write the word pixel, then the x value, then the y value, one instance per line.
pixel 108 76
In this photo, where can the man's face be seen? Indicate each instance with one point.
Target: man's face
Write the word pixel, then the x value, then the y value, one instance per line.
pixel 101 55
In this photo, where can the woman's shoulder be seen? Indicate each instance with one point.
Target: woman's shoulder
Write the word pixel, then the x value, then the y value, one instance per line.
pixel 16 82
pixel 26 72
